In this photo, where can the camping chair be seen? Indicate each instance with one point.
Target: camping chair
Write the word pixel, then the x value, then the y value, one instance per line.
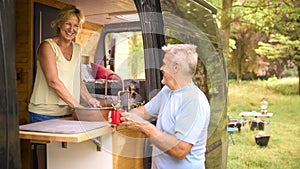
pixel 231 131
pixel 233 126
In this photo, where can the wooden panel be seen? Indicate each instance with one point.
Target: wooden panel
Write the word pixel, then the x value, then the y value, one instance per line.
pixel 91 26
pixel 26 154
pixel 52 3
pixel 24 55
pixel 88 39
pixel 128 146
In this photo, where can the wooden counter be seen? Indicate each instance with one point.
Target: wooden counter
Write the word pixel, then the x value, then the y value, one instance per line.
pixel 64 130
pixel 120 148
pixel 73 138
pixel 72 144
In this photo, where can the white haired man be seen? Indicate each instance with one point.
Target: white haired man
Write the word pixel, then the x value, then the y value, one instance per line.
pixel 182 113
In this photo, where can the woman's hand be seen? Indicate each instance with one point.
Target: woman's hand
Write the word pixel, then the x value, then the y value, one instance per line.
pixel 94 102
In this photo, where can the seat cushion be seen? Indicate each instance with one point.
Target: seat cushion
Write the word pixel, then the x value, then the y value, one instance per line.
pixel 101 72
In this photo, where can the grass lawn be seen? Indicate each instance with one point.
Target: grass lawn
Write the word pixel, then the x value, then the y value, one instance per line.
pixel 283 150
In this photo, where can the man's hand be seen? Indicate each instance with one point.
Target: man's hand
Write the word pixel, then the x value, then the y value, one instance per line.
pixel 165 142
pixel 133 121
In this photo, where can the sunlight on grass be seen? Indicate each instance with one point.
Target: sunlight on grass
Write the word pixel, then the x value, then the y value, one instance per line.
pixel 283 150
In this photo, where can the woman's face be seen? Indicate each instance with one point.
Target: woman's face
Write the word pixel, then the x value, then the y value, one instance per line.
pixel 70 28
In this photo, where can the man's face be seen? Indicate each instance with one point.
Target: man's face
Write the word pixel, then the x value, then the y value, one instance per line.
pixel 167 70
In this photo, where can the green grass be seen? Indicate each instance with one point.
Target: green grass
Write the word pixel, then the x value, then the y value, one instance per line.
pixel 283 150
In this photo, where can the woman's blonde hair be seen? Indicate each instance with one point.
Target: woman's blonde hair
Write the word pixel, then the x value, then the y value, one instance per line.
pixel 64 14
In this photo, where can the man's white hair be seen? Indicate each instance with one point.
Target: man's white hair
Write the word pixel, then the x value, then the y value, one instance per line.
pixel 184 54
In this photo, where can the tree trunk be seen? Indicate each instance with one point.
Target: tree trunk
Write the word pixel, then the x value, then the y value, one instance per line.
pixel 225 23
pixel 201 79
pixel 237 59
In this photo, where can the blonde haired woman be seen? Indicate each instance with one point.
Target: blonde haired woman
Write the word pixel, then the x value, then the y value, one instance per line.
pixel 58 84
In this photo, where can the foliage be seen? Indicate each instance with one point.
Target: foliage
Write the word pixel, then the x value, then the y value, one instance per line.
pixel 278 20
pixel 244 58
pixel 136 56
pixel 286 86
pixel 271 16
pixel 280 47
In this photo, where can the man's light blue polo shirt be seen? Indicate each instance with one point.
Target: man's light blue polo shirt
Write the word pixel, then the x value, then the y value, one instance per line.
pixel 184 113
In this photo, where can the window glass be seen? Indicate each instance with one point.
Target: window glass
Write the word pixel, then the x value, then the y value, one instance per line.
pixel 187 21
pixel 125 55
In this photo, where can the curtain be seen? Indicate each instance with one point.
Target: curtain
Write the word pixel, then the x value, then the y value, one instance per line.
pixel 153 38
pixel 9 120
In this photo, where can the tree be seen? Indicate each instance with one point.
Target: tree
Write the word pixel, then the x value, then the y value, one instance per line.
pixel 225 22
pixel 279 19
pixel 283 26
pixel 279 47
pixel 244 59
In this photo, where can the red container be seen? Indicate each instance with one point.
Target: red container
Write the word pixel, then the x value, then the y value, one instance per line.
pixel 116 116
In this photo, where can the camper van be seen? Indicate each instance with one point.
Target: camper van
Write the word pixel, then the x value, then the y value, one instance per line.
pixel 124 38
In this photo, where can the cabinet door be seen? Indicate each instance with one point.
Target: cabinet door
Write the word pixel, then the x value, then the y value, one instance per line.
pixel 128 149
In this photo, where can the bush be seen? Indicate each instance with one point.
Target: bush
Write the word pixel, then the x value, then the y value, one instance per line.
pixel 285 86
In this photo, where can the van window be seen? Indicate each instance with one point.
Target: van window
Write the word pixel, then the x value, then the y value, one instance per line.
pixel 125 55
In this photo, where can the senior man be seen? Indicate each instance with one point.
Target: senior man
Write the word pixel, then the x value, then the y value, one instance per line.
pixel 182 111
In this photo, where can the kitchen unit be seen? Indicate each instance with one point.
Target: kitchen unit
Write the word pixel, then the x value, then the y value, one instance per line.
pixel 82 144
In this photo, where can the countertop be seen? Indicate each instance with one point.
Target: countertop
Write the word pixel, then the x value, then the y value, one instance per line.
pixel 50 130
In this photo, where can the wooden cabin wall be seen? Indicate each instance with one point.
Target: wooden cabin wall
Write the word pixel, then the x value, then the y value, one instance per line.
pixel 24 56
pixel 88 39
pixel 25 59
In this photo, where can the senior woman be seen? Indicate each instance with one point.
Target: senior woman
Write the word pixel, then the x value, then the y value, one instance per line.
pixel 58 85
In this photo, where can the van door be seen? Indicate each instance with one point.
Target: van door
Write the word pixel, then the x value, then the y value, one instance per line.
pixel 184 21
pixel 193 21
pixel 9 120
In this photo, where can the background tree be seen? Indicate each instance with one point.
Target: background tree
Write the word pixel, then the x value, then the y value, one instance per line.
pixel 244 60
pixel 279 20
pixel 281 48
pixel 226 22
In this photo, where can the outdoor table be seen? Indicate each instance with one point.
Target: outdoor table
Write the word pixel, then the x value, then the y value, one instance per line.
pixel 258 114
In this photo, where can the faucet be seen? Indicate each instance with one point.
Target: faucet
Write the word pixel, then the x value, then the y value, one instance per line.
pixel 106 81
pixel 118 106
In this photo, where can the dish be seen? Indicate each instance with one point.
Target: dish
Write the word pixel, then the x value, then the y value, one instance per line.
pixel 92 114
